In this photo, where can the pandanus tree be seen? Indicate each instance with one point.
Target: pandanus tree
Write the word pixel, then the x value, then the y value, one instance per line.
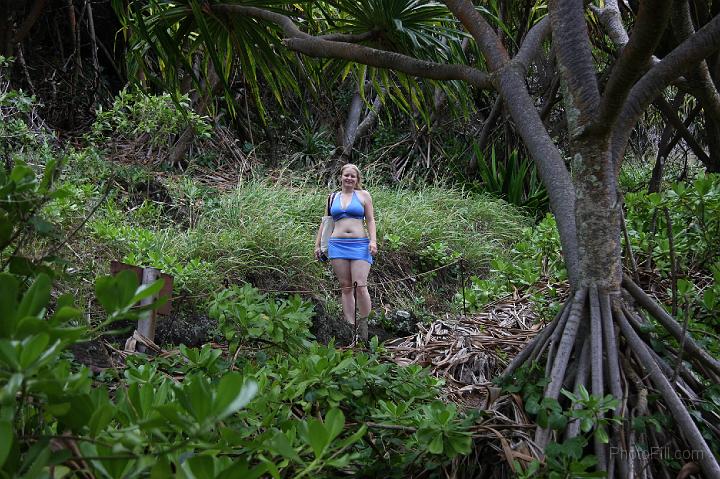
pixel 189 45
pixel 599 340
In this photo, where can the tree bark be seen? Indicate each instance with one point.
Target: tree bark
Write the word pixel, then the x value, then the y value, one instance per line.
pixel 597 214
pixel 352 121
pixel 551 166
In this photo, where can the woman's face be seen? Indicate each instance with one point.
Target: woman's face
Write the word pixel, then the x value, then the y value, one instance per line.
pixel 349 177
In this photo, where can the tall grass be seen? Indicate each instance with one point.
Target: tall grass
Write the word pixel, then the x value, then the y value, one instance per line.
pixel 265 233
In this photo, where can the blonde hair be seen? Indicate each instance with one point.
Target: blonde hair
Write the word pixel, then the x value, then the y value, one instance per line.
pixel 358 185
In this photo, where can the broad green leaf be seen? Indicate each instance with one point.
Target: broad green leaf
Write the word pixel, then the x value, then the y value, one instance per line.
pixel 317 437
pixel 8 304
pixel 334 422
pixel 602 435
pixel 9 355
pixel 36 298
pixel 32 348
pixel 65 314
pixel 21 266
pixel 171 413
pixel 41 225
pixel 436 444
pixel 200 466
pixel 101 417
pixel 21 173
pixel 30 325
pixel 36 459
pixel 709 299
pixel 161 469
pixel 147 290
pixel 6 440
pixel 241 468
pixel 557 421
pixel 48 174
pixel 232 394
pixel 116 292
pixel 280 444
pixel 354 438
pixel 461 444
pixel 9 391
pixel 196 397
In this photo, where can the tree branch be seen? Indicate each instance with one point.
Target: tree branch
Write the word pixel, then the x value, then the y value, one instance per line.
pixel 315 47
pixel 699 77
pixel 679 411
pixel 551 166
pixel 532 43
pixel 649 27
pixel 321 47
pixel 350 38
pixel 671 325
pixel 487 40
pixel 575 62
pixel 671 116
pixel 688 53
pixel 609 16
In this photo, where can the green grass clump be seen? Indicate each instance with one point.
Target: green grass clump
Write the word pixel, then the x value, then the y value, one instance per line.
pixel 264 234
pixel 478 227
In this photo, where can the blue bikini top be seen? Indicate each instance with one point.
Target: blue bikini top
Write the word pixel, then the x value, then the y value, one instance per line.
pixel 354 210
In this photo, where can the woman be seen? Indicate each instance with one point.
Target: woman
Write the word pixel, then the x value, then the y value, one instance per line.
pixel 351 248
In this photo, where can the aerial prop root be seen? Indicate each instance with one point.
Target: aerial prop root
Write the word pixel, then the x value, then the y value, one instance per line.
pixel 599 342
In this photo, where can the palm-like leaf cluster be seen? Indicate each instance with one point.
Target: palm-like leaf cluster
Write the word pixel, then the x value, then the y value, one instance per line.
pixel 173 42
pixel 422 29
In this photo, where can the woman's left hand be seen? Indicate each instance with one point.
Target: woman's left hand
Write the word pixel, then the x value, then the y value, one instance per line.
pixel 373 248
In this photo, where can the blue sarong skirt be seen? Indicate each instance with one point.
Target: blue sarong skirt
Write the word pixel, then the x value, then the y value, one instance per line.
pixel 350 248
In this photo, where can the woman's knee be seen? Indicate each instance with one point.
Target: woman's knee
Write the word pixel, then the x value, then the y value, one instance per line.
pixel 362 289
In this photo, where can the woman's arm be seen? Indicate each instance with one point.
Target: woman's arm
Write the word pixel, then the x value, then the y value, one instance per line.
pixel 370 222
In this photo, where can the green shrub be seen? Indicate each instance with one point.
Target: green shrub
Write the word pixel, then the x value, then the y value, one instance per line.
pixel 534 257
pixel 244 314
pixel 695 217
pixel 135 114
pixel 284 416
pixel 515 179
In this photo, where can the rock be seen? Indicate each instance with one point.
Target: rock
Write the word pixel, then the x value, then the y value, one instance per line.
pixel 92 354
pixel 326 327
pixel 191 328
pixel 403 323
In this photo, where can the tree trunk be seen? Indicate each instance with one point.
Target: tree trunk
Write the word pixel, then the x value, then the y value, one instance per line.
pixel 354 127
pixel 353 120
pixel 712 132
pixel 597 215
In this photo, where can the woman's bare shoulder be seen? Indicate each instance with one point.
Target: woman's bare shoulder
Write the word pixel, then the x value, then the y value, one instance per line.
pixel 364 194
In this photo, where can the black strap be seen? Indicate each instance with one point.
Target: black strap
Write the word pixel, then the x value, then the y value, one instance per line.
pixel 331 198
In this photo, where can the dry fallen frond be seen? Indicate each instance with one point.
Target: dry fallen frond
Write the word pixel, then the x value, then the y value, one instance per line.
pixel 467 352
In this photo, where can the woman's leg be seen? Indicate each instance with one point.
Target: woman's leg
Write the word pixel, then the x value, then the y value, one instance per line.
pixel 344 276
pixel 359 272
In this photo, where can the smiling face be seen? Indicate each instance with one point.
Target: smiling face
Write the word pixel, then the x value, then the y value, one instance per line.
pixel 350 177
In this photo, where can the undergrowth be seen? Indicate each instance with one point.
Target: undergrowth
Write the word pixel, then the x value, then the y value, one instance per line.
pixel 264 234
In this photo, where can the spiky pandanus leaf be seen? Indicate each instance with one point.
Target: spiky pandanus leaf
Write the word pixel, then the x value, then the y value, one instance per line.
pixel 171 40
